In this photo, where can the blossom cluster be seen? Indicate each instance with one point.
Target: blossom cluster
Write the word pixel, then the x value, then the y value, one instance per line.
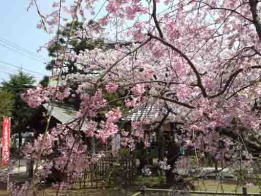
pixel 198 60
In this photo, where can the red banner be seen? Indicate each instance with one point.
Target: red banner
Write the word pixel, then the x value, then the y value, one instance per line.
pixel 6 132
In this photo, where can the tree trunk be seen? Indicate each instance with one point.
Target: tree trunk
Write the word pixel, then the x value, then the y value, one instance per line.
pixel 19 142
pixel 29 168
pixel 172 156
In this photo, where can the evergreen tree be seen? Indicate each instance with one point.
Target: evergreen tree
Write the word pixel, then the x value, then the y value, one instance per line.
pixel 22 113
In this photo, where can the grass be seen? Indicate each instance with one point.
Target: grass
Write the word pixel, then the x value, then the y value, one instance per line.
pixel 203 185
pixel 219 186
pixel 3 192
pixel 154 181
pixel 88 192
pixel 149 181
pixel 84 192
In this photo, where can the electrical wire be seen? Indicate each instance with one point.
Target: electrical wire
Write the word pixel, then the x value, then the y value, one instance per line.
pixel 19 67
pixel 15 45
pixel 7 73
pixel 19 52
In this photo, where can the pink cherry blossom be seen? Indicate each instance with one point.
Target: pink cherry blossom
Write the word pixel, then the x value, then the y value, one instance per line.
pixel 112 87
pixel 138 89
pixel 197 62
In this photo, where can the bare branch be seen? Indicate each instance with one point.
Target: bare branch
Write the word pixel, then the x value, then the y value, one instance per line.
pixel 154 16
pixel 174 101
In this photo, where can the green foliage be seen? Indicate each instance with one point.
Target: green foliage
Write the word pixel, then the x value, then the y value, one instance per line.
pixel 6 103
pixel 71 44
pixel 116 100
pixel 150 181
pixel 123 171
pixel 45 81
pixel 22 113
pixel 18 83
pixel 75 44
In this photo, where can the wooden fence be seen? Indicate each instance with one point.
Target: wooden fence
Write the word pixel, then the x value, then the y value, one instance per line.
pixel 170 192
pixel 102 173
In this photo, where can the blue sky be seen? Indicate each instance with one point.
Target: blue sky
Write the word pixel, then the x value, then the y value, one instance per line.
pixel 18 32
pixel 18 29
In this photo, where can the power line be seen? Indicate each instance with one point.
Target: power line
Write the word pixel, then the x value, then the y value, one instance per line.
pixel 19 52
pixel 15 45
pixel 4 78
pixel 19 67
pixel 18 47
pixel 6 72
pixel 12 73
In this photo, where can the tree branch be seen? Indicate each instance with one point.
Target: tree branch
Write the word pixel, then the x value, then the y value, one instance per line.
pixel 129 53
pixel 256 22
pixel 230 79
pixel 249 138
pixel 231 10
pixel 193 67
pixel 243 88
pixel 154 16
pixel 174 101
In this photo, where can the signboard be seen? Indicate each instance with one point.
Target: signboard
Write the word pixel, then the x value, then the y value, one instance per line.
pixel 6 132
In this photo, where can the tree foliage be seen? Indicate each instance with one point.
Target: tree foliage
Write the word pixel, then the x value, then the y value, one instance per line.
pixel 22 113
pixel 72 45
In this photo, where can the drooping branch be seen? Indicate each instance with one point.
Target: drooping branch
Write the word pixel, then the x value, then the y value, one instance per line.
pixel 230 79
pixel 154 16
pixel 191 64
pixel 42 17
pixel 256 19
pixel 163 120
pixel 243 88
pixel 150 82
pixel 174 101
pixel 250 139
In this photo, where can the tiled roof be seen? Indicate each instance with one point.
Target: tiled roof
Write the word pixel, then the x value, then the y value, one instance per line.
pixel 62 114
pixel 146 112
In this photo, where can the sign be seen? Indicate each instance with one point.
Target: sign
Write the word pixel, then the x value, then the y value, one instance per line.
pixel 6 132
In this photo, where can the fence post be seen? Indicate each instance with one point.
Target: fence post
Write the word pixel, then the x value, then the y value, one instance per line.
pixel 143 190
pixel 244 191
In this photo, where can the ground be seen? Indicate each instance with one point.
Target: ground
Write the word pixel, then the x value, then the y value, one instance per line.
pixel 201 185
pixel 205 185
pixel 155 181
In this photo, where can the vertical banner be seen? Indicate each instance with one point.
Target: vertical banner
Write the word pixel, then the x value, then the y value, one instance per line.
pixel 6 132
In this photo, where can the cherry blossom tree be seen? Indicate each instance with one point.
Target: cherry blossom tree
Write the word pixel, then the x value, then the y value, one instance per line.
pixel 198 62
